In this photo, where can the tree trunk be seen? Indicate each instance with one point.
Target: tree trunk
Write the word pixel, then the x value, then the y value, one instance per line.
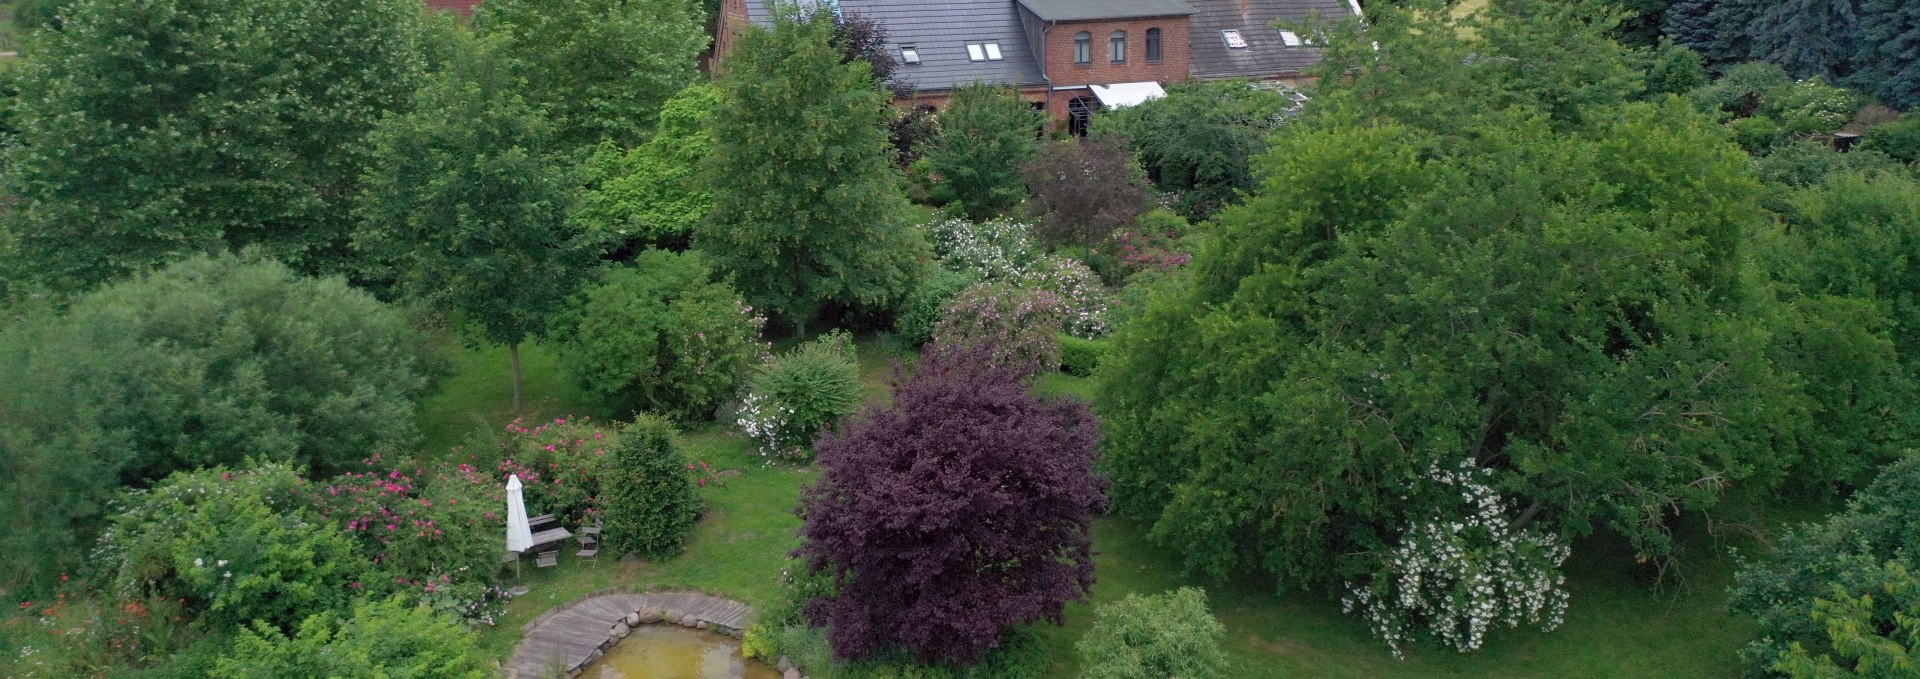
pixel 514 351
pixel 800 326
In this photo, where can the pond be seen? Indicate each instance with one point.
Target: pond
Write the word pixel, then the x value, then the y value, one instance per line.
pixel 673 652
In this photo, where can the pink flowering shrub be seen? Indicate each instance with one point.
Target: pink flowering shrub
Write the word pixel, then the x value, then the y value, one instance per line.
pixel 432 532
pixel 1083 300
pixel 1015 325
pixel 559 464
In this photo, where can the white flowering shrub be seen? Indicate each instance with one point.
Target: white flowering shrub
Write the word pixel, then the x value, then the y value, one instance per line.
pixel 997 250
pixel 1459 576
pixel 793 398
pixel 1083 299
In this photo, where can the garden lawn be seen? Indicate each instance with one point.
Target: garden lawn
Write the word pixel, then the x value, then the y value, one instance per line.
pixel 1618 624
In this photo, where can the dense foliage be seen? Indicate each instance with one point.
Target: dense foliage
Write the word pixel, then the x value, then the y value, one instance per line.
pixel 463 199
pixel 795 397
pixel 234 547
pixel 962 510
pixel 149 131
pixel 921 311
pixel 986 136
pixel 807 207
pixel 1152 637
pixel 388 639
pixel 653 195
pixel 1839 587
pixel 560 465
pixel 205 363
pixel 660 335
pixel 1197 142
pixel 1517 290
pixel 649 501
pixel 993 250
pixel 599 69
pixel 432 533
pixel 1014 325
pixel 1083 191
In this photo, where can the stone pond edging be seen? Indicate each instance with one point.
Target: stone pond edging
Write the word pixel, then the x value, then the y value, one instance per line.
pixel 569 636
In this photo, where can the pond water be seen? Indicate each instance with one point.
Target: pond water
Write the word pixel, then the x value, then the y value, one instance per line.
pixel 671 652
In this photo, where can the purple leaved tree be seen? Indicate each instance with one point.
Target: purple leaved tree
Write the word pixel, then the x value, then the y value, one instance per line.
pixel 963 509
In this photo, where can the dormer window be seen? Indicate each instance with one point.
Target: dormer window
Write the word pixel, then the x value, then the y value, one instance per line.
pixel 909 54
pixel 983 51
pixel 1234 41
pixel 1290 38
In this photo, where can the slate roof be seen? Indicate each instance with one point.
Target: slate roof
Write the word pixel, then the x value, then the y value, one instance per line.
pixel 1082 10
pixel 941 30
pixel 1266 54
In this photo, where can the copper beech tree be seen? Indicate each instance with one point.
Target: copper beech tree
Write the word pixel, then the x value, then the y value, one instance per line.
pixel 964 509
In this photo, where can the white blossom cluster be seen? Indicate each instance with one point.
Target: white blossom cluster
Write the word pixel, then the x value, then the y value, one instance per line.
pixel 1461 575
pixel 766 422
pixel 997 250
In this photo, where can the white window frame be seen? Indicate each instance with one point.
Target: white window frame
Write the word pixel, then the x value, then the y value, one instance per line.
pixel 910 53
pixel 993 51
pixel 976 52
pixel 1291 38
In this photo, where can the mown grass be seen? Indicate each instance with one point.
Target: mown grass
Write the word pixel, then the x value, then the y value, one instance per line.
pixel 1622 620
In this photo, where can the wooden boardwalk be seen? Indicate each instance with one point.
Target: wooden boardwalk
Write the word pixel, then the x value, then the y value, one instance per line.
pixel 575 632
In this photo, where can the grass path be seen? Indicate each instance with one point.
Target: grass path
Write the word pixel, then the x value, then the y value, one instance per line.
pixel 1619 624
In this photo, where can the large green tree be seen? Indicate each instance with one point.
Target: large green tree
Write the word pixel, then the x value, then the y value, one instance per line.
pixel 1890 51
pixel 807 207
pixel 986 136
pixel 465 199
pixel 1198 140
pixel 599 69
pixel 1499 283
pixel 210 361
pixel 150 130
pixel 653 195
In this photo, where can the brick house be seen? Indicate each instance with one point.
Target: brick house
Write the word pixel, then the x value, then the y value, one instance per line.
pixel 1072 57
pixel 464 8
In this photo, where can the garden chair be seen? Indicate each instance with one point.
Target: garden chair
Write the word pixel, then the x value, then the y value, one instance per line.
pixel 589 549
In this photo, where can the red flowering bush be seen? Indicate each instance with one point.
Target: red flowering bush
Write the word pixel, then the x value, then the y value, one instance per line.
pixel 559 464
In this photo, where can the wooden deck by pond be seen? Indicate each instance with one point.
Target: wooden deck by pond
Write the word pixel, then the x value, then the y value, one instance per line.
pixel 571 633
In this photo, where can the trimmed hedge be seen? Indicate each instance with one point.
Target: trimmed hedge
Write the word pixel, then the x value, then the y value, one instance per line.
pixel 1079 357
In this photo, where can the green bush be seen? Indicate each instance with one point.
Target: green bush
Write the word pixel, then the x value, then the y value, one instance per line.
pixel 1740 92
pixel 1152 637
pixel 380 639
pixel 648 500
pixel 795 397
pixel 235 547
pixel 1900 138
pixel 1017 324
pixel 1079 357
pixel 916 317
pixel 1021 655
pixel 1757 134
pixel 660 335
pixel 1809 107
pixel 1806 162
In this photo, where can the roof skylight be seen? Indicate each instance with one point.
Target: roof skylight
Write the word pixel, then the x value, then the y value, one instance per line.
pixel 1290 38
pixel 1234 41
pixel 910 54
pixel 993 51
pixel 976 52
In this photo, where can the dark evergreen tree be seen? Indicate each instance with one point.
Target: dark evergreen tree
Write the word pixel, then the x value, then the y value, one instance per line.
pixel 1889 61
pixel 1730 19
pixel 1808 37
pixel 1690 24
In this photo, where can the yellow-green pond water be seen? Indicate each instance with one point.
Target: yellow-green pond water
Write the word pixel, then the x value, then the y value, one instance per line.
pixel 670 652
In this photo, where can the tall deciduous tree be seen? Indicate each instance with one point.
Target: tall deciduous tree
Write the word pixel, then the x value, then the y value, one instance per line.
pixel 154 130
pixel 1197 140
pixel 463 197
pixel 1083 191
pixel 599 69
pixel 808 209
pixel 653 195
pixel 986 136
pixel 960 511
pixel 1421 288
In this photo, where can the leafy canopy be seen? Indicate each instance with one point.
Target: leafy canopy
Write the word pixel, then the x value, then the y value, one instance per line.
pixel 807 207
pixel 1198 140
pixel 600 70
pixel 389 639
pixel 986 135
pixel 152 130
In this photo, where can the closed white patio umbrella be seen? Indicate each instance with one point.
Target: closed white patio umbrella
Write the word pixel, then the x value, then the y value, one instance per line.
pixel 519 534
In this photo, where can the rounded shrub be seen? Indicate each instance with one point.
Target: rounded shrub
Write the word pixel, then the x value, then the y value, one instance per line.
pixel 1080 357
pixel 1900 138
pixel 1016 325
pixel 661 335
pixel 920 312
pixel 648 491
pixel 795 397
pixel 1152 637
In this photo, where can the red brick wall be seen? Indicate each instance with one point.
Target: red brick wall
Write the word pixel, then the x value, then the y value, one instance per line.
pixel 1172 66
pixel 733 22
pixel 462 7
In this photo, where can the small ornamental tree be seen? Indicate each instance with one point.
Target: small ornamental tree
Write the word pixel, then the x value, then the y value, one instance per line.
pixel 1154 637
pixel 1083 191
pixel 961 511
pixel 649 498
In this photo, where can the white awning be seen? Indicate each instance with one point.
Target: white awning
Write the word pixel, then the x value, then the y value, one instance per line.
pixel 1122 95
